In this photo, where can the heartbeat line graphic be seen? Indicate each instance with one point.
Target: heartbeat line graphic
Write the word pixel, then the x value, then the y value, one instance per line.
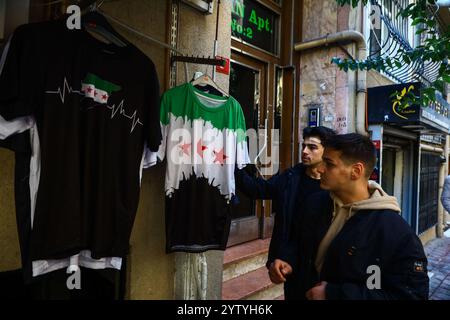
pixel 114 110
pixel 62 94
pixel 121 110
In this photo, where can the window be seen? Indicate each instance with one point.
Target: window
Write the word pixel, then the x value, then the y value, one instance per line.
pixel 385 24
pixel 388 33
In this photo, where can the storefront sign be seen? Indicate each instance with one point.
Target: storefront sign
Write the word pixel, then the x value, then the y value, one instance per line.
pixel 435 118
pixel 438 113
pixel 255 24
pixel 386 106
pixel 432 138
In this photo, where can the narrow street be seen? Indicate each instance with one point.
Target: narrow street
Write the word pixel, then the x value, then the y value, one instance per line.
pixel 438 253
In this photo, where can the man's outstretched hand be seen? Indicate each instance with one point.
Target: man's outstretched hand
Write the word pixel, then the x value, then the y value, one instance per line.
pixel 278 270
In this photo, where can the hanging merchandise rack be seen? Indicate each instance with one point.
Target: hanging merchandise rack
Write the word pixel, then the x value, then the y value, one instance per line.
pixel 180 57
pixel 199 60
pixel 174 58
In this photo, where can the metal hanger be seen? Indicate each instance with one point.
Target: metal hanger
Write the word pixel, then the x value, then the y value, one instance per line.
pixel 94 21
pixel 205 80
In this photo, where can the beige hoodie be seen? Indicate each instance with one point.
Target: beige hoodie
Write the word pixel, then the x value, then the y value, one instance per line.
pixel 379 200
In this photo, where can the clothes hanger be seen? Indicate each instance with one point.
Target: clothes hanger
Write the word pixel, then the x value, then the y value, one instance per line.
pixel 206 88
pixel 94 21
pixel 205 80
pixel 141 34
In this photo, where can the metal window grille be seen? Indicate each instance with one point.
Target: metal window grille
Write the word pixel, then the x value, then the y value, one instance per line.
pixel 429 191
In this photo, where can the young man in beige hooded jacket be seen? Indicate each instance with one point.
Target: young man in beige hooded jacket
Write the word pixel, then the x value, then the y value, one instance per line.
pixel 365 250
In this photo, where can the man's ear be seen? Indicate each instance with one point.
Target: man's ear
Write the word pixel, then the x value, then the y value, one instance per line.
pixel 358 170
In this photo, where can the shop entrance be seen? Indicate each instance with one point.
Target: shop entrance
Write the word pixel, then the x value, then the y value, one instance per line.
pixel 397 174
pixel 392 171
pixel 260 83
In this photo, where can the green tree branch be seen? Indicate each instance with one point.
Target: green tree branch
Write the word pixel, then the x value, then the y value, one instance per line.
pixel 436 48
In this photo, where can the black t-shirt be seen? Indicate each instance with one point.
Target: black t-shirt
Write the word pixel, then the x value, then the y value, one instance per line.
pixel 308 187
pixel 96 105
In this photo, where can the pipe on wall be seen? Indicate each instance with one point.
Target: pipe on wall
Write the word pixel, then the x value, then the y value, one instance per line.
pixel 430 148
pixel 343 37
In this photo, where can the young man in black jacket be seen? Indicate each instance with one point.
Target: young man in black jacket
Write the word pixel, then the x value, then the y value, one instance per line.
pixel 288 191
pixel 358 244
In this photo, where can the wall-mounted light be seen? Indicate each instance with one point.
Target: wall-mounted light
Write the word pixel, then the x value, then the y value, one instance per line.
pixel 204 6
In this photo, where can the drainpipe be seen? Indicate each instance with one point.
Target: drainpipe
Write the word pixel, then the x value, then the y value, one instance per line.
pixel 432 149
pixel 344 37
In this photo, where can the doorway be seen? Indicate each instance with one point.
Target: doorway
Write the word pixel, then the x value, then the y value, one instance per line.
pixel 248 87
pixel 397 173
pixel 392 171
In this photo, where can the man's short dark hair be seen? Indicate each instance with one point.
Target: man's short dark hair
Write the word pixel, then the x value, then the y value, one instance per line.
pixel 354 148
pixel 322 132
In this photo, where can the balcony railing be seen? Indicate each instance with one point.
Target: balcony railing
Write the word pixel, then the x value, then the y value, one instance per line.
pixel 393 33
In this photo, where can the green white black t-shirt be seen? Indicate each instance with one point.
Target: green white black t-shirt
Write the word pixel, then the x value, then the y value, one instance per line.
pixel 203 140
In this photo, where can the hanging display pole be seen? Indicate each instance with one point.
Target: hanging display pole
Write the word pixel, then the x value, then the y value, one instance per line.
pixel 216 39
pixel 199 60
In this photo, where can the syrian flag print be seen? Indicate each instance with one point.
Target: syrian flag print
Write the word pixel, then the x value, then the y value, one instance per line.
pixel 98 89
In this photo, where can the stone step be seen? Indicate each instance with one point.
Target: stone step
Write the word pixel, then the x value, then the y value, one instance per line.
pixel 245 258
pixel 254 285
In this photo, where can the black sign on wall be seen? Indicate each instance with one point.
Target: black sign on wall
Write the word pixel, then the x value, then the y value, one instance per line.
pixel 255 24
pixel 383 107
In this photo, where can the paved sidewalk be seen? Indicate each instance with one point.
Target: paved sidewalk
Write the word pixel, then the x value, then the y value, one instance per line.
pixel 438 253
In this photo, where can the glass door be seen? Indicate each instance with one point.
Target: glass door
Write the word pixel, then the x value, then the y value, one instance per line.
pixel 247 86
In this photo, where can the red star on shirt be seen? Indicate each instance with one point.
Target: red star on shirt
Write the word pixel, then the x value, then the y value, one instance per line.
pixel 185 148
pixel 200 148
pixel 220 157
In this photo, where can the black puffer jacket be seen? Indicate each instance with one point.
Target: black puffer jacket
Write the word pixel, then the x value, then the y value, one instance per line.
pixel 381 239
pixel 287 190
